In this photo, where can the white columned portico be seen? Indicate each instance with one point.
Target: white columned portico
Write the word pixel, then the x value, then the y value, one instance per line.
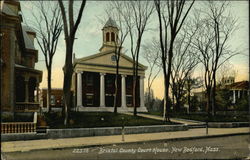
pixel 79 89
pixel 102 90
pixel 142 91
pixel 124 103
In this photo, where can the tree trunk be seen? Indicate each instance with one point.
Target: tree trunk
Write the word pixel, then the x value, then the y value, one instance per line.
pixel 189 98
pixel 166 87
pixel 167 83
pixel 149 103
pixel 49 89
pixel 116 91
pixel 208 100
pixel 178 101
pixel 134 94
pixel 214 96
pixel 68 71
pixel 177 106
pixel 173 96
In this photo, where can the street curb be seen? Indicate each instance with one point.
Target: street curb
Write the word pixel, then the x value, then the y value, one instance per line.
pixel 138 142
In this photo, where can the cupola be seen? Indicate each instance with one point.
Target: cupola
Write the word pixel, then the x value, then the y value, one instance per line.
pixel 110 35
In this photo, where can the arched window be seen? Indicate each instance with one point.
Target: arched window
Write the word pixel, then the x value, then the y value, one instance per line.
pixel 112 36
pixel 107 36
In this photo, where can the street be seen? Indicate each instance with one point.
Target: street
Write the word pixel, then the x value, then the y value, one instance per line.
pixel 230 147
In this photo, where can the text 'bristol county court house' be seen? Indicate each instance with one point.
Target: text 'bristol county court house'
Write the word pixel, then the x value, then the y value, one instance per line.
pixel 93 81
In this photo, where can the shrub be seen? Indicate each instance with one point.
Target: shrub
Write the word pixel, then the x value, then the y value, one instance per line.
pixel 242 104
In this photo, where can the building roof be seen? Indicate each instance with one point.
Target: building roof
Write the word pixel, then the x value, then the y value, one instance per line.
pixel 28 42
pixel 242 85
pixel 7 10
pixel 110 23
pixel 28 29
pixel 102 54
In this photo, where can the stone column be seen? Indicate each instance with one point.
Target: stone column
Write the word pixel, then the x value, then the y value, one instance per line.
pixel 102 90
pixel 26 81
pixel 238 94
pixel 79 89
pixel 142 91
pixel 234 100
pixel 124 103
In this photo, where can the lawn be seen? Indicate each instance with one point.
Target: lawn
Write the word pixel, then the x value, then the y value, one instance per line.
pixel 99 119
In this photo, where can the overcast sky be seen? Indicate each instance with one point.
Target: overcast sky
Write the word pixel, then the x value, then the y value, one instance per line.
pixel 89 40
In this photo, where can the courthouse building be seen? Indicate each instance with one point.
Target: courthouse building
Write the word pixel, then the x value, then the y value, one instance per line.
pixel 94 78
pixel 18 78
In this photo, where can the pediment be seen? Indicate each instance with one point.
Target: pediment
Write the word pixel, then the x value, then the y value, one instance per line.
pixel 106 59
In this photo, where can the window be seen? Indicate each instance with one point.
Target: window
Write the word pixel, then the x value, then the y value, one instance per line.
pixel 109 100
pixel 89 80
pixel 112 36
pixel 53 100
pixel 107 36
pixel 110 82
pixel 129 100
pixel 113 58
pixel 89 99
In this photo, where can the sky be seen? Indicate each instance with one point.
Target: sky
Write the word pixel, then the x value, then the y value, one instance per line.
pixel 89 41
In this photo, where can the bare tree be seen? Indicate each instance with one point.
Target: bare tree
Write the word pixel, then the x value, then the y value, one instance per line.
pixel 115 10
pixel 70 28
pixel 192 83
pixel 183 65
pixel 136 15
pixel 171 16
pixel 152 55
pixel 48 27
pixel 215 28
pixel 225 71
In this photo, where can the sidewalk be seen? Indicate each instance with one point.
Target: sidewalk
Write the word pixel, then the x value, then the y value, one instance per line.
pixel 22 146
pixel 176 120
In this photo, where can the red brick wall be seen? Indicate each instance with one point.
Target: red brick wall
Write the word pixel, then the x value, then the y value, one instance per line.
pixel 58 93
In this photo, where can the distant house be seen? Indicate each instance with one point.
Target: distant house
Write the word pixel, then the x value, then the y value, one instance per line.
pixel 56 99
pixel 94 78
pixel 238 90
pixel 19 79
pixel 227 80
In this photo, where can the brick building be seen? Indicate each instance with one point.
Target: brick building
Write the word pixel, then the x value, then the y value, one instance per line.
pixel 56 99
pixel 19 79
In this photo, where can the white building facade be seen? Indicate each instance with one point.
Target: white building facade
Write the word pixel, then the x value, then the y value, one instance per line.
pixel 94 78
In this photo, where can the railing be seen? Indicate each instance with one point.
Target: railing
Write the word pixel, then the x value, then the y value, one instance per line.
pixel 26 107
pixel 18 127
